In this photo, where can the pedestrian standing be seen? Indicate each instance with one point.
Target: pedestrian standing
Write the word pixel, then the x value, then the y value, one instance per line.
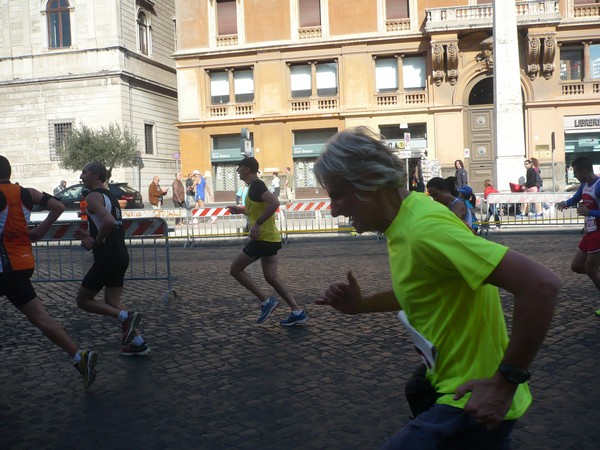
pixel 105 237
pixel 156 193
pixel 265 241
pixel 190 194
pixel 587 200
pixel 178 195
pixel 288 184
pixel 61 187
pixel 461 175
pixel 445 283
pixel 17 264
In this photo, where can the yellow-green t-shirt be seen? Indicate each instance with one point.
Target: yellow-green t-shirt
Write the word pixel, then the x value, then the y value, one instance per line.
pixel 438 269
pixel 254 209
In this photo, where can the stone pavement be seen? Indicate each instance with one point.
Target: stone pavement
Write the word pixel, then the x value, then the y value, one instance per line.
pixel 215 380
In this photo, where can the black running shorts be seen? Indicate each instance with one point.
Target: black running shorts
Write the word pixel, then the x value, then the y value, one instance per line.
pixel 17 287
pixel 109 272
pixel 258 249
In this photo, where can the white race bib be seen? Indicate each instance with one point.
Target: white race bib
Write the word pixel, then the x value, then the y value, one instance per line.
pixel 424 347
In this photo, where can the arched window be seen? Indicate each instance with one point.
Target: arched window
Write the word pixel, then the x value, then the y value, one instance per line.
pixel 59 23
pixel 143 33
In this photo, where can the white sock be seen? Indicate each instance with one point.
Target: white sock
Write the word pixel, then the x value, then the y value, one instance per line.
pixel 297 312
pixel 123 315
pixel 77 357
pixel 137 340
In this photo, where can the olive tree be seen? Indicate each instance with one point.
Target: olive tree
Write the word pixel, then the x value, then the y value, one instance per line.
pixel 112 146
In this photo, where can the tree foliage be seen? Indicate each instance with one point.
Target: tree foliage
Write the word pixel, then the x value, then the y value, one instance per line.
pixel 112 146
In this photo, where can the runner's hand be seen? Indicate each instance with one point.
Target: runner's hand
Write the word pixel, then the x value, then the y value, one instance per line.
pixel 345 297
pixel 490 399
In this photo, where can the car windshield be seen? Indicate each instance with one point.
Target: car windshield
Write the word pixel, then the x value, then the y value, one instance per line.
pixel 73 192
pixel 126 189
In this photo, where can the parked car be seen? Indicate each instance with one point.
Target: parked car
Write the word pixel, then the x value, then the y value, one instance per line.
pixel 72 196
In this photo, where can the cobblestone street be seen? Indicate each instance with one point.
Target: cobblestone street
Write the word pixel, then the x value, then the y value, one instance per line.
pixel 215 380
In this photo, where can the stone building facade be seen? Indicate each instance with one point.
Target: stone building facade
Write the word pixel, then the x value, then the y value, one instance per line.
pixel 93 62
pixel 421 72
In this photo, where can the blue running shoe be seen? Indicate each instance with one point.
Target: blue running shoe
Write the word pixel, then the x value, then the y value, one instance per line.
pixel 267 309
pixel 294 319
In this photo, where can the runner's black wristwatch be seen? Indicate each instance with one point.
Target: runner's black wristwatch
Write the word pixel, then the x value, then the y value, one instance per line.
pixel 514 374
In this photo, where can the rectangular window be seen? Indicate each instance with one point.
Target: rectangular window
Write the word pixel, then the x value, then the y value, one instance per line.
pixel 414 72
pixel 58 135
pixel 327 79
pixel 243 85
pixel 219 87
pixel 396 9
pixel 309 12
pixel 571 63
pixel 149 138
pixel 386 75
pixel 595 61
pixel 226 17
pixel 301 81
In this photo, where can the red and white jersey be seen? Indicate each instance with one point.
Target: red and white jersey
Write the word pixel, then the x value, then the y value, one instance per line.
pixel 590 198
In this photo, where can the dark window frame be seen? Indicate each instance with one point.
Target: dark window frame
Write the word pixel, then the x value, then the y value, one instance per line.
pixel 58 15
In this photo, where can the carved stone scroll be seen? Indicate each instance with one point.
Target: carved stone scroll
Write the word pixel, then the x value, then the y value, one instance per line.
pixel 452 61
pixel 533 56
pixel 437 55
pixel 548 56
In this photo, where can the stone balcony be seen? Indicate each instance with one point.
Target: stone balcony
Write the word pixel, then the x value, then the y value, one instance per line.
pixel 482 16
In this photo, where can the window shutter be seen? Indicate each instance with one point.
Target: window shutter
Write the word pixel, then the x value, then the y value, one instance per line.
pixel 226 17
pixel 310 13
pixel 396 9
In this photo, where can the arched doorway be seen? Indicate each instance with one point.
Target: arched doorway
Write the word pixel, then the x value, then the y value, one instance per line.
pixel 479 130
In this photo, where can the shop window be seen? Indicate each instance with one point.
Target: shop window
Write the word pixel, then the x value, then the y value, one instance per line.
pixel 314 79
pixel 59 23
pixel 571 63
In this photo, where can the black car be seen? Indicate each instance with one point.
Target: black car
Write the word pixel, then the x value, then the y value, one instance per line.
pixel 72 195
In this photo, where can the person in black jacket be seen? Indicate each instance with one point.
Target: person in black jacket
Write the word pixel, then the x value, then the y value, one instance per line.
pixel 530 185
pixel 462 178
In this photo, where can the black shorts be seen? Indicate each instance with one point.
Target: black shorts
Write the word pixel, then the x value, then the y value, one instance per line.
pixel 109 272
pixel 17 287
pixel 258 249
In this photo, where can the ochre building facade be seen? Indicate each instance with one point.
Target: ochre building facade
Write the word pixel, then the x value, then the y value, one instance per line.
pixel 420 72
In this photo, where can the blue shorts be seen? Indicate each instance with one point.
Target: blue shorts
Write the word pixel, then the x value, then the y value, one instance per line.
pixel 449 428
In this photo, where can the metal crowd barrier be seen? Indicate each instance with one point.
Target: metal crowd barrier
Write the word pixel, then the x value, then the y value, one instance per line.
pixel 60 257
pixel 313 217
pixel 540 205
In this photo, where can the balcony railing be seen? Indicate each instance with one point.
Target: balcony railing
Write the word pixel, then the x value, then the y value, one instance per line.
pixel 401 99
pixel 397 25
pixel 314 104
pixel 231 110
pixel 586 10
pixel 572 88
pixel 227 40
pixel 481 16
pixel 310 32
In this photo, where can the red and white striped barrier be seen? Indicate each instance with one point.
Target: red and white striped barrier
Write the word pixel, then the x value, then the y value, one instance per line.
pixel 210 212
pixel 308 206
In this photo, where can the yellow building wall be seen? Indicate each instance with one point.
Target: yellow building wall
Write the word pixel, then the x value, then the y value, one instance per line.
pixel 271 98
pixel 448 129
pixel 266 20
pixel 356 76
pixel 352 16
pixel 192 19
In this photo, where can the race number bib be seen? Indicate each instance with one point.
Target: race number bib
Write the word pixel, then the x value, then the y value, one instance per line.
pixel 590 224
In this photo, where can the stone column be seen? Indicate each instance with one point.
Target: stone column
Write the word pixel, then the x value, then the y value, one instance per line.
pixel 509 135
